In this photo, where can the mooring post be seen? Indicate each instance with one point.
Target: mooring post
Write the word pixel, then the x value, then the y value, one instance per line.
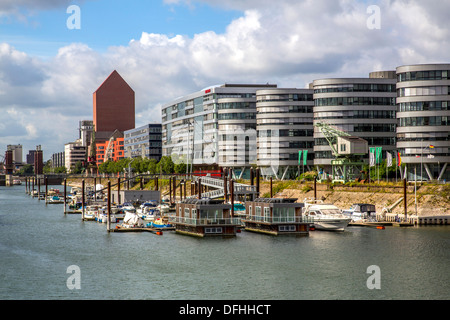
pixel 39 188
pixel 65 195
pixel 404 199
pixel 82 200
pixel 32 190
pixel 118 191
pixel 46 189
pixel 225 185
pixel 199 188
pixel 271 193
pixel 232 197
pixel 257 182
pixel 315 187
pixel 108 221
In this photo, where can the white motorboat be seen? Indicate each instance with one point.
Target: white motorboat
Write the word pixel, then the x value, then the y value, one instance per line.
pixel 361 212
pixel 325 216
pixel 90 213
pixel 148 211
pixel 102 216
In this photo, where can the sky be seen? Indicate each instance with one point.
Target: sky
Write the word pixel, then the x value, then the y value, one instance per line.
pixel 52 58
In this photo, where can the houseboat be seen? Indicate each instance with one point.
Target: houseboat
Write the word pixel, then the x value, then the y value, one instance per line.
pixel 275 216
pixel 204 217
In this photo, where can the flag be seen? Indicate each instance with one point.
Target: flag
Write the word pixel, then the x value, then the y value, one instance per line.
pixel 378 155
pixel 399 159
pixel 372 159
pixel 300 152
pixel 431 146
pixel 388 159
pixel 305 157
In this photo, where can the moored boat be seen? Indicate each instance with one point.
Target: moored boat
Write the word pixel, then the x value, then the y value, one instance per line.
pixel 160 223
pixel 360 212
pixel 325 216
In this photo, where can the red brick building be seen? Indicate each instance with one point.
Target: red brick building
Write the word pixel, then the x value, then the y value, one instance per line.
pixel 114 105
pixel 114 113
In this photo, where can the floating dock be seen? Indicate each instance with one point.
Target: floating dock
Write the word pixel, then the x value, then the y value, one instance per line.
pixel 146 229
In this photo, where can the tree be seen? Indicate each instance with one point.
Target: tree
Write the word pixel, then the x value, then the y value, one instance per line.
pixel 152 166
pixel 166 165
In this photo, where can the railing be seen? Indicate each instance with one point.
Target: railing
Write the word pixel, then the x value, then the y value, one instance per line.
pixel 205 221
pixel 218 183
pixel 275 220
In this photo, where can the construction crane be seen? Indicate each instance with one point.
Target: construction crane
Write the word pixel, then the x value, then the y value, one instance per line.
pixel 347 151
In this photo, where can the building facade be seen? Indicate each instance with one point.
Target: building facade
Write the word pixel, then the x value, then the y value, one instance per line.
pixel 112 149
pixel 17 152
pixel 73 152
pixel 212 128
pixel 361 107
pixel 58 160
pixel 114 105
pixel 284 125
pixel 423 132
pixel 144 141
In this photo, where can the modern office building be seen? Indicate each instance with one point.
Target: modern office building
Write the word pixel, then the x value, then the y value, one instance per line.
pixel 284 125
pixel 213 128
pixel 144 141
pixel 423 132
pixel 361 107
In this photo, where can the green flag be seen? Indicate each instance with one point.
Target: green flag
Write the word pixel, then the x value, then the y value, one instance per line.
pixel 305 157
pixel 300 152
pixel 378 155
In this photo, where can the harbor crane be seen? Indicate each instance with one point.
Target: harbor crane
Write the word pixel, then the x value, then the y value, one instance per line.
pixel 347 151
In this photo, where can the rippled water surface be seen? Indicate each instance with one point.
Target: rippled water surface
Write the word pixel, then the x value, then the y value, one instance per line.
pixel 38 243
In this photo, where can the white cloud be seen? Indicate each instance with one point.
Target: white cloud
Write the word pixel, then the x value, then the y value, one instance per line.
pixel 289 43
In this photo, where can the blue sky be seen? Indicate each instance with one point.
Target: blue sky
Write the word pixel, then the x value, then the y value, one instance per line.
pixel 110 23
pixel 168 48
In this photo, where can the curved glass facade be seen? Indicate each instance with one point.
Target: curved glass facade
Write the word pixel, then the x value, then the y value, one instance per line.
pixel 423 132
pixel 362 107
pixel 284 132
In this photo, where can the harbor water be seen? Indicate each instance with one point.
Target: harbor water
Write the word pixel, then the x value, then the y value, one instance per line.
pixel 39 245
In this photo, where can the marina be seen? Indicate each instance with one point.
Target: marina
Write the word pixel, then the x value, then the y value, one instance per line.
pixel 36 255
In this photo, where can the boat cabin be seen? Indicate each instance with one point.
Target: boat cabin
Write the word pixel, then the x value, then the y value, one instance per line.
pixel 275 216
pixel 204 217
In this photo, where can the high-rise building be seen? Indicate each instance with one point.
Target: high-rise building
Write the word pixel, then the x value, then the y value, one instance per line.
pixel 212 128
pixel 144 141
pixel 423 132
pixel 284 124
pixel 114 110
pixel 361 107
pixel 114 105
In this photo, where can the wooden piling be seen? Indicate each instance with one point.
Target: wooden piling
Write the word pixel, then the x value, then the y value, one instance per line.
pixel 39 188
pixel 118 191
pixel 315 188
pixel 225 186
pixel 65 195
pixel 257 182
pixel 271 189
pixel 46 189
pixel 82 200
pixel 232 197
pixel 108 220
pixel 199 188
pixel 405 202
